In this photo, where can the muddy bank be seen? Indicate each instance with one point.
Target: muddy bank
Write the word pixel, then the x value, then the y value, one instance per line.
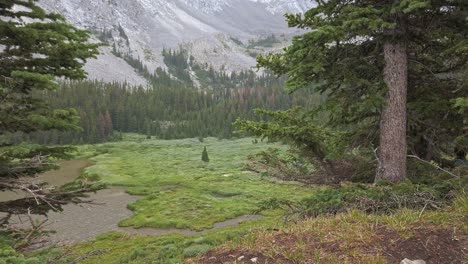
pixel 79 223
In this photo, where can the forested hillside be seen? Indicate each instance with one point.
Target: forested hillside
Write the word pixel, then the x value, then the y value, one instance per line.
pixel 187 100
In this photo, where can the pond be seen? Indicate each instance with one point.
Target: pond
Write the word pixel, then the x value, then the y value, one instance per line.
pixel 69 170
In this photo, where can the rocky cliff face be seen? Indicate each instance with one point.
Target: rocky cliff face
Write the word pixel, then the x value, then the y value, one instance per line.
pixel 216 32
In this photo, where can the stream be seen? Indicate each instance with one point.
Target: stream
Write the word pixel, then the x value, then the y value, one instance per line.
pixel 79 223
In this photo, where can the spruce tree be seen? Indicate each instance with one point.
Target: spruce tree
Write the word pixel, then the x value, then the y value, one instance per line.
pixel 365 54
pixel 205 157
pixel 32 55
pixel 109 125
pixel 101 127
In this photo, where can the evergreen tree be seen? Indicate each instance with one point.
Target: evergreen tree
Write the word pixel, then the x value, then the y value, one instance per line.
pixel 365 54
pixel 101 127
pixel 205 157
pixel 32 55
pixel 190 112
pixel 148 130
pixel 109 126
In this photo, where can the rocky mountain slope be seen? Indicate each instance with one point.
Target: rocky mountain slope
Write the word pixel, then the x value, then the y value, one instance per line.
pixel 222 33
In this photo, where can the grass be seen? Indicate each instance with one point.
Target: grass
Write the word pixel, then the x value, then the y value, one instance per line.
pixel 352 237
pixel 357 237
pixel 116 247
pixel 178 190
pixel 181 191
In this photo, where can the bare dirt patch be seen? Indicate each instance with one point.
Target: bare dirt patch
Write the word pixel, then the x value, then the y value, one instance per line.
pixel 240 256
pixel 431 244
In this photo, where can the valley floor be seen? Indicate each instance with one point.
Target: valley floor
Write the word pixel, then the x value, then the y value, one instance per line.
pixel 181 206
pixel 175 191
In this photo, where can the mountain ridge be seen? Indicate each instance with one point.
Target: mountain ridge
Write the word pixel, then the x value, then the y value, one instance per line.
pixel 214 31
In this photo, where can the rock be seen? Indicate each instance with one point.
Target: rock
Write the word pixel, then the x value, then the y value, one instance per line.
pixel 254 260
pixel 142 28
pixel 240 258
pixel 408 261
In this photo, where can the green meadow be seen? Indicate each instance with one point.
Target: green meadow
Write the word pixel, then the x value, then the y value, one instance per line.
pixel 179 190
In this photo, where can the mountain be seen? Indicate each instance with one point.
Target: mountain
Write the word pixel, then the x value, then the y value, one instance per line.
pixel 227 34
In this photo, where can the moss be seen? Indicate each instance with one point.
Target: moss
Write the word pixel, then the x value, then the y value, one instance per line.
pixel 178 190
pixel 181 191
pixel 115 247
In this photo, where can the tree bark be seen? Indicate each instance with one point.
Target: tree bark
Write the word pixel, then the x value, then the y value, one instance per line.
pixel 393 148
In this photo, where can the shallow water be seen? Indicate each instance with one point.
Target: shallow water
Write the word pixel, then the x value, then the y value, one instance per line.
pixel 79 223
pixel 69 170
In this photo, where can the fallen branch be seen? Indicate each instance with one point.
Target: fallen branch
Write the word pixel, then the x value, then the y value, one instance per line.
pixel 434 165
pixel 33 233
pixel 40 196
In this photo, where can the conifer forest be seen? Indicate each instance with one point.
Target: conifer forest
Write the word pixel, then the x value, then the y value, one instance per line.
pixel 233 131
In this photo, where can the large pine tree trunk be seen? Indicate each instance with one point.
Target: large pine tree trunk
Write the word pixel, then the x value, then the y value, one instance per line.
pixel 393 149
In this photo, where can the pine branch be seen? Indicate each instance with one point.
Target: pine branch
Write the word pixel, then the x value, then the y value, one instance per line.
pixel 434 165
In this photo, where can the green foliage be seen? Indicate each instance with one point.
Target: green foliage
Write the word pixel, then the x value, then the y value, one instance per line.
pixel 204 156
pixel 178 108
pixel 91 182
pixel 325 201
pixel 178 65
pixel 13 159
pixel 196 250
pixel 178 190
pixel 181 191
pixel 176 111
pixel 8 255
pixel 285 166
pixel 170 249
pixel 318 144
pixel 385 197
pixel 35 49
pixel 461 142
pixel 267 42
pixel 62 48
pixel 341 54
pixel 42 50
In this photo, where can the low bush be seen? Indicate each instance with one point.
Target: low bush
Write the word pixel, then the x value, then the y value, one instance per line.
pixel 383 197
pixel 292 166
pixel 9 255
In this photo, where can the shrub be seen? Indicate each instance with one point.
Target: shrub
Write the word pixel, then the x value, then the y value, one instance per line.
pixel 205 157
pixel 384 197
